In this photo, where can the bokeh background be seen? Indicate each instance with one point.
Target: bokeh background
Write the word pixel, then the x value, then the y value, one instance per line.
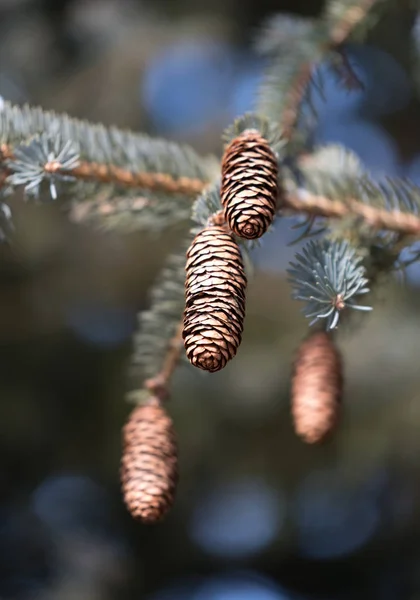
pixel 259 516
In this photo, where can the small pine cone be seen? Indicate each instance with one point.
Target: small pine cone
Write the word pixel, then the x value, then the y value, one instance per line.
pixel 249 185
pixel 215 299
pixel 317 386
pixel 149 466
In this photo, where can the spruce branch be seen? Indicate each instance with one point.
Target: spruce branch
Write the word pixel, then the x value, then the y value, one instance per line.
pixel 106 155
pixel 152 181
pixel 295 48
pixel 159 384
pixel 344 72
pixel 393 205
pixel 328 276
pixel 292 46
pixel 94 171
pixel 344 17
pixel 43 158
pixel 332 183
pixel 158 345
pixel 60 149
pixel 302 201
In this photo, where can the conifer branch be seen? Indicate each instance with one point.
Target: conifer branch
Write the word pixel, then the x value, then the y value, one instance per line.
pixel 378 218
pixel 152 181
pixel 295 97
pixel 108 173
pixel 345 74
pixel 304 202
pixel 299 201
pixel 158 345
pixel 159 384
pixel 338 34
pixel 328 277
pixel 291 72
pixel 353 15
pixel 106 155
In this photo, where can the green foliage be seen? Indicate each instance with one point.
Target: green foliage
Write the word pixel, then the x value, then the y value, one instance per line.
pixel 291 45
pixel 99 144
pixel 158 324
pixel 36 138
pixel 328 276
pixel 336 173
pixel 338 12
pixel 28 165
pixel 268 129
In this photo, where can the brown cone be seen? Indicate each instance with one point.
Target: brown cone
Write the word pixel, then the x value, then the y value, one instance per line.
pixel 215 299
pixel 316 388
pixel 249 184
pixel 149 466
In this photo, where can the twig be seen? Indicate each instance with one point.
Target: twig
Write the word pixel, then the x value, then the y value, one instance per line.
pixel 3 177
pixel 338 35
pixel 352 17
pixel 294 99
pixel 151 181
pixel 302 202
pixel 159 384
pixel 345 73
pixel 105 173
pixel 378 218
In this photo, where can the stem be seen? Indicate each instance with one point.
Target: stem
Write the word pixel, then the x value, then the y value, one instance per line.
pixel 302 202
pixel 345 73
pixel 151 181
pixel 159 384
pixel 353 16
pixel 294 99
pixel 337 36
pixel 379 218
pixel 108 173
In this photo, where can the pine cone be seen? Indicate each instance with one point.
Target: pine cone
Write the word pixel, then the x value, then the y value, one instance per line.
pixel 249 184
pixel 215 299
pixel 316 387
pixel 149 466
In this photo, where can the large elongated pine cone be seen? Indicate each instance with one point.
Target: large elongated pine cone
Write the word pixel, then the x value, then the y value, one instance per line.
pixel 149 466
pixel 249 187
pixel 215 299
pixel 317 386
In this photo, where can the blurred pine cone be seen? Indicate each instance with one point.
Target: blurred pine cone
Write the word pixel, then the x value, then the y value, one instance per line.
pixel 249 184
pixel 317 386
pixel 149 466
pixel 215 299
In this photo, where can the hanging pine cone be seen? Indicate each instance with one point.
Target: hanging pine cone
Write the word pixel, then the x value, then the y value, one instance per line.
pixel 249 184
pixel 149 466
pixel 215 299
pixel 316 387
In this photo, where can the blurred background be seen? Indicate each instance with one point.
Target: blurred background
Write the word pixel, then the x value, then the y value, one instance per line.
pixel 259 516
